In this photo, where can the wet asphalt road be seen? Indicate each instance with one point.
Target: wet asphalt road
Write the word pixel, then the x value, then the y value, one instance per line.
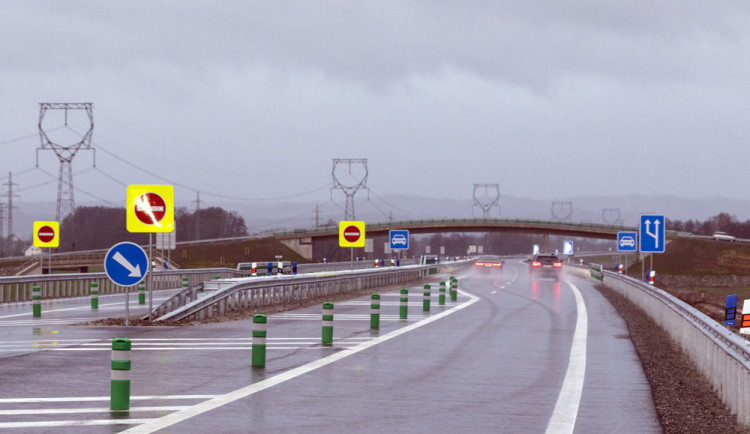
pixel 496 360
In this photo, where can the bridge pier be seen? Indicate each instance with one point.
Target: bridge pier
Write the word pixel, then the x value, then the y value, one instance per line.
pixel 546 243
pixel 302 246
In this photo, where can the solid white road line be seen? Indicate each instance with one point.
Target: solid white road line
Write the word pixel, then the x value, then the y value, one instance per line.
pixel 61 423
pixel 22 412
pixel 100 398
pixel 564 416
pixel 182 415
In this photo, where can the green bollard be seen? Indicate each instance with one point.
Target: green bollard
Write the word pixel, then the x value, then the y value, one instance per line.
pixel 375 311
pixel 94 296
pixel 36 296
pixel 217 276
pixel 441 297
pixel 120 375
pixel 327 323
pixel 404 308
pixel 259 340
pixel 426 299
pixel 454 288
pixel 185 282
pixel 142 292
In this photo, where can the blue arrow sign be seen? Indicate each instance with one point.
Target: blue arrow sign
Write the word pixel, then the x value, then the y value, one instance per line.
pixel 398 239
pixel 626 241
pixel 567 247
pixel 126 264
pixel 652 236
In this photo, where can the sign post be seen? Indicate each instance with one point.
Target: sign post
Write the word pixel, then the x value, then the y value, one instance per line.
pixel 47 234
pixel 652 236
pixel 125 264
pixel 352 234
pixel 627 242
pixel 150 209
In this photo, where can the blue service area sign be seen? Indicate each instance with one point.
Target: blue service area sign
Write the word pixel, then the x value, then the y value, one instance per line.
pixel 652 234
pixel 567 247
pixel 627 241
pixel 126 264
pixel 398 239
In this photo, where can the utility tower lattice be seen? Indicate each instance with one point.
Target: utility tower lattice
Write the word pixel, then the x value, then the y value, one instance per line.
pixel 11 207
pixel 65 153
pixel 487 201
pixel 611 216
pixel 349 187
pixel 562 211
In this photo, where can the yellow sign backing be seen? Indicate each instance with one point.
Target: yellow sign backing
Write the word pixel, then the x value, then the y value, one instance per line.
pixel 150 208
pixel 46 234
pixel 351 234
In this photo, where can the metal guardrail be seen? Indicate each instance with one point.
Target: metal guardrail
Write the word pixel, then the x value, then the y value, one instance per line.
pixel 267 291
pixel 721 355
pixel 18 288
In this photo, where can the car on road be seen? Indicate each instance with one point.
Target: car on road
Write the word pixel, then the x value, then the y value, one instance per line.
pixel 489 263
pixel 545 265
pixel 398 239
pixel 723 236
pixel 627 241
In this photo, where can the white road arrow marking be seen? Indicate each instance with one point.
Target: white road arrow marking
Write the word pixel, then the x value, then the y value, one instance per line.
pixel 135 271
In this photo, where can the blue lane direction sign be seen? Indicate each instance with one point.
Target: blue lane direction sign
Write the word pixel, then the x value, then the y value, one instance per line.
pixel 627 241
pixel 567 247
pixel 126 264
pixel 652 234
pixel 399 239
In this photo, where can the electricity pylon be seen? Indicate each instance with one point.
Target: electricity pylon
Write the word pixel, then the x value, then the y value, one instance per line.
pixel 488 201
pixel 65 197
pixel 352 184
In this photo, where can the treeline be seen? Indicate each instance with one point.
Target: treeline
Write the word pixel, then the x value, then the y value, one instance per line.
pixel 91 228
pixel 723 222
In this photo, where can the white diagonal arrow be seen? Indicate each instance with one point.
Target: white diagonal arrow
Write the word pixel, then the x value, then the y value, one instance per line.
pixel 135 271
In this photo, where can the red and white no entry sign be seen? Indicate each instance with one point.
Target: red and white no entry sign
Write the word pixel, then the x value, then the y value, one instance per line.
pixel 46 234
pixel 352 234
pixel 150 208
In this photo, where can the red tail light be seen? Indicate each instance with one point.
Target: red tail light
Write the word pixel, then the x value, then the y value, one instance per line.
pixel 557 264
pixel 536 264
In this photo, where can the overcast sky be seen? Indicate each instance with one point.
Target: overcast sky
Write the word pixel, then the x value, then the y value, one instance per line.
pixel 248 99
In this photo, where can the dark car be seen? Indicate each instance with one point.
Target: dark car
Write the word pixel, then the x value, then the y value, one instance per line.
pixel 489 263
pixel 545 265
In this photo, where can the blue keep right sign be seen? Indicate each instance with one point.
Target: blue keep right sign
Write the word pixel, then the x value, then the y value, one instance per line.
pixel 652 236
pixel 126 264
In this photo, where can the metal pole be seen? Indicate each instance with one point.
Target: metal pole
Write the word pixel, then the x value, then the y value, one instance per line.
pixel 127 306
pixel 150 278
pixel 352 258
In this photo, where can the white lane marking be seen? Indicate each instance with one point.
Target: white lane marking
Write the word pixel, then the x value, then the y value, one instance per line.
pixel 493 292
pixel 101 398
pixel 246 391
pixel 58 423
pixel 564 416
pixel 24 412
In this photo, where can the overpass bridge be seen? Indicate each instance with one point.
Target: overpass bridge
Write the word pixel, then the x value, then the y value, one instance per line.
pixel 303 241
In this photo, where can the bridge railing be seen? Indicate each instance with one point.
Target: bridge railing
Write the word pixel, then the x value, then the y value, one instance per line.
pixel 721 355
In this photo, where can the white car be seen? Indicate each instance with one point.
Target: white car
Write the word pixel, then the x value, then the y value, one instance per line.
pixel 627 241
pixel 398 239
pixel 723 236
